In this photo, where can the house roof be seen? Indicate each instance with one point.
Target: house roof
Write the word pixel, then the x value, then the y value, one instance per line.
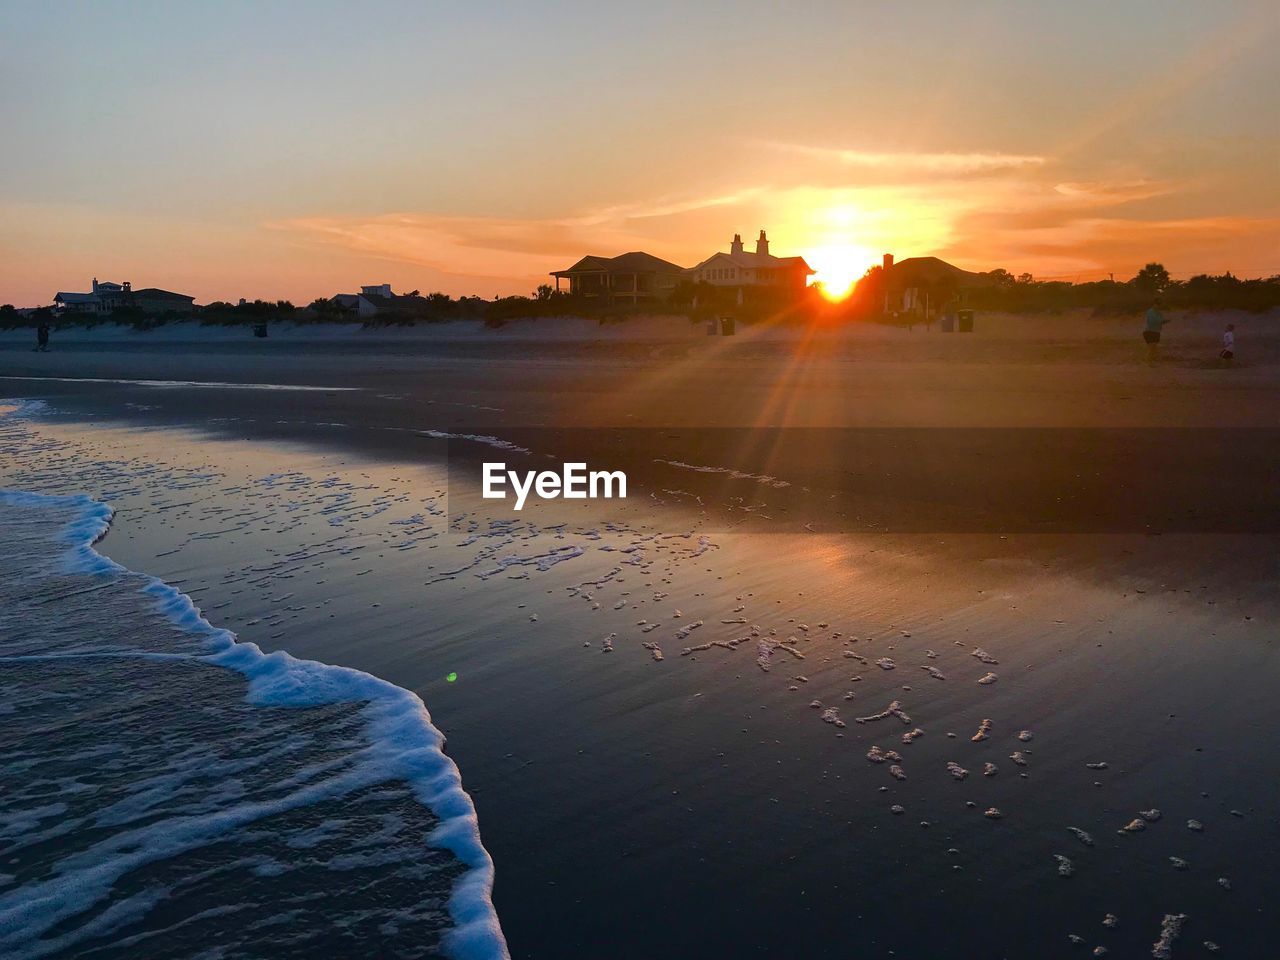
pixel 146 293
pixel 583 265
pixel 400 302
pixel 758 261
pixel 634 262
pixel 931 270
pixel 155 293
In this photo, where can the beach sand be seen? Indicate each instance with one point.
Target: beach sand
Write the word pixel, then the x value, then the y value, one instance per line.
pixel 698 804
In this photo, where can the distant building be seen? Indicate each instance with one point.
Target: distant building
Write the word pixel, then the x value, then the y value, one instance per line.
pixel 154 300
pixel 107 297
pixel 924 285
pixel 104 298
pixel 376 300
pixel 760 269
pixel 629 278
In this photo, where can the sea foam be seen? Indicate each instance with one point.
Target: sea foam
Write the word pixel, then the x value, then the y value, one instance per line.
pixel 403 745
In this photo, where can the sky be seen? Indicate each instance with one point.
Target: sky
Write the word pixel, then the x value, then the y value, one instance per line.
pixel 294 150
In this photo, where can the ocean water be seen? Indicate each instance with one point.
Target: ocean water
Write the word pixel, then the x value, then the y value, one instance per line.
pixel 678 740
pixel 169 792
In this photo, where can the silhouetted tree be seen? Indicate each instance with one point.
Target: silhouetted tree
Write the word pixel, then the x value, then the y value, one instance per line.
pixel 1153 278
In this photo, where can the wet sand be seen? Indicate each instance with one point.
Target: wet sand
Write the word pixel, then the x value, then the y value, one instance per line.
pixel 699 805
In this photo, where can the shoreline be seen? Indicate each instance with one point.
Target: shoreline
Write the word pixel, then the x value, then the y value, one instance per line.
pixel 406 745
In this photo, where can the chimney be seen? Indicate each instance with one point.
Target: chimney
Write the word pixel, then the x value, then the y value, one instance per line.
pixel 762 245
pixel 95 284
pixel 888 266
pixel 735 248
pixel 128 287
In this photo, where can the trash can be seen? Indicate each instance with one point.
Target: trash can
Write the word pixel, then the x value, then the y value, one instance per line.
pixel 966 321
pixel 948 324
pixel 260 329
pixel 727 326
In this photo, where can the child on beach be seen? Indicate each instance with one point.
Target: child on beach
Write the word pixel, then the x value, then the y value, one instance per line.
pixel 1228 344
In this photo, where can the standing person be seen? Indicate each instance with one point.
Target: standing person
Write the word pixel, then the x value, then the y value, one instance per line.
pixel 42 336
pixel 1228 344
pixel 1151 331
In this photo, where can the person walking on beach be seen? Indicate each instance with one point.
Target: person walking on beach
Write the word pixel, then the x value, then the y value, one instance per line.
pixel 42 336
pixel 1151 331
pixel 1228 344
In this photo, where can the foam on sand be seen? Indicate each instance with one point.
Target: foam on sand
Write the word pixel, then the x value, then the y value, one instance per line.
pixel 1082 835
pixel 211 384
pixel 727 471
pixel 402 746
pixel 1170 930
pixel 480 438
pixel 894 709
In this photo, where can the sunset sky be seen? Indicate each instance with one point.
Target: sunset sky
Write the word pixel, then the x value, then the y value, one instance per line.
pixel 296 150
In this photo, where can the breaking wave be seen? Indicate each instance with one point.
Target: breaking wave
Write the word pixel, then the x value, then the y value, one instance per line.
pixel 170 791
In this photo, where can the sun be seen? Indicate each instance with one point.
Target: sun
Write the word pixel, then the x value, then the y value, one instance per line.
pixel 838 267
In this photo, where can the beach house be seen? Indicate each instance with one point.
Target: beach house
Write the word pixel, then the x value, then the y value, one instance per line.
pixel 745 271
pixel 107 297
pixel 923 285
pixel 630 278
pixel 379 300
pixel 373 299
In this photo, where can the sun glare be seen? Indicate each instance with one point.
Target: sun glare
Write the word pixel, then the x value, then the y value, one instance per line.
pixel 829 221
pixel 837 267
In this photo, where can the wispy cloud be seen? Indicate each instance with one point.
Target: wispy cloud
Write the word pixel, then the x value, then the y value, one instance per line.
pixel 1107 193
pixel 452 246
pixel 494 247
pixel 918 162
pixel 663 207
